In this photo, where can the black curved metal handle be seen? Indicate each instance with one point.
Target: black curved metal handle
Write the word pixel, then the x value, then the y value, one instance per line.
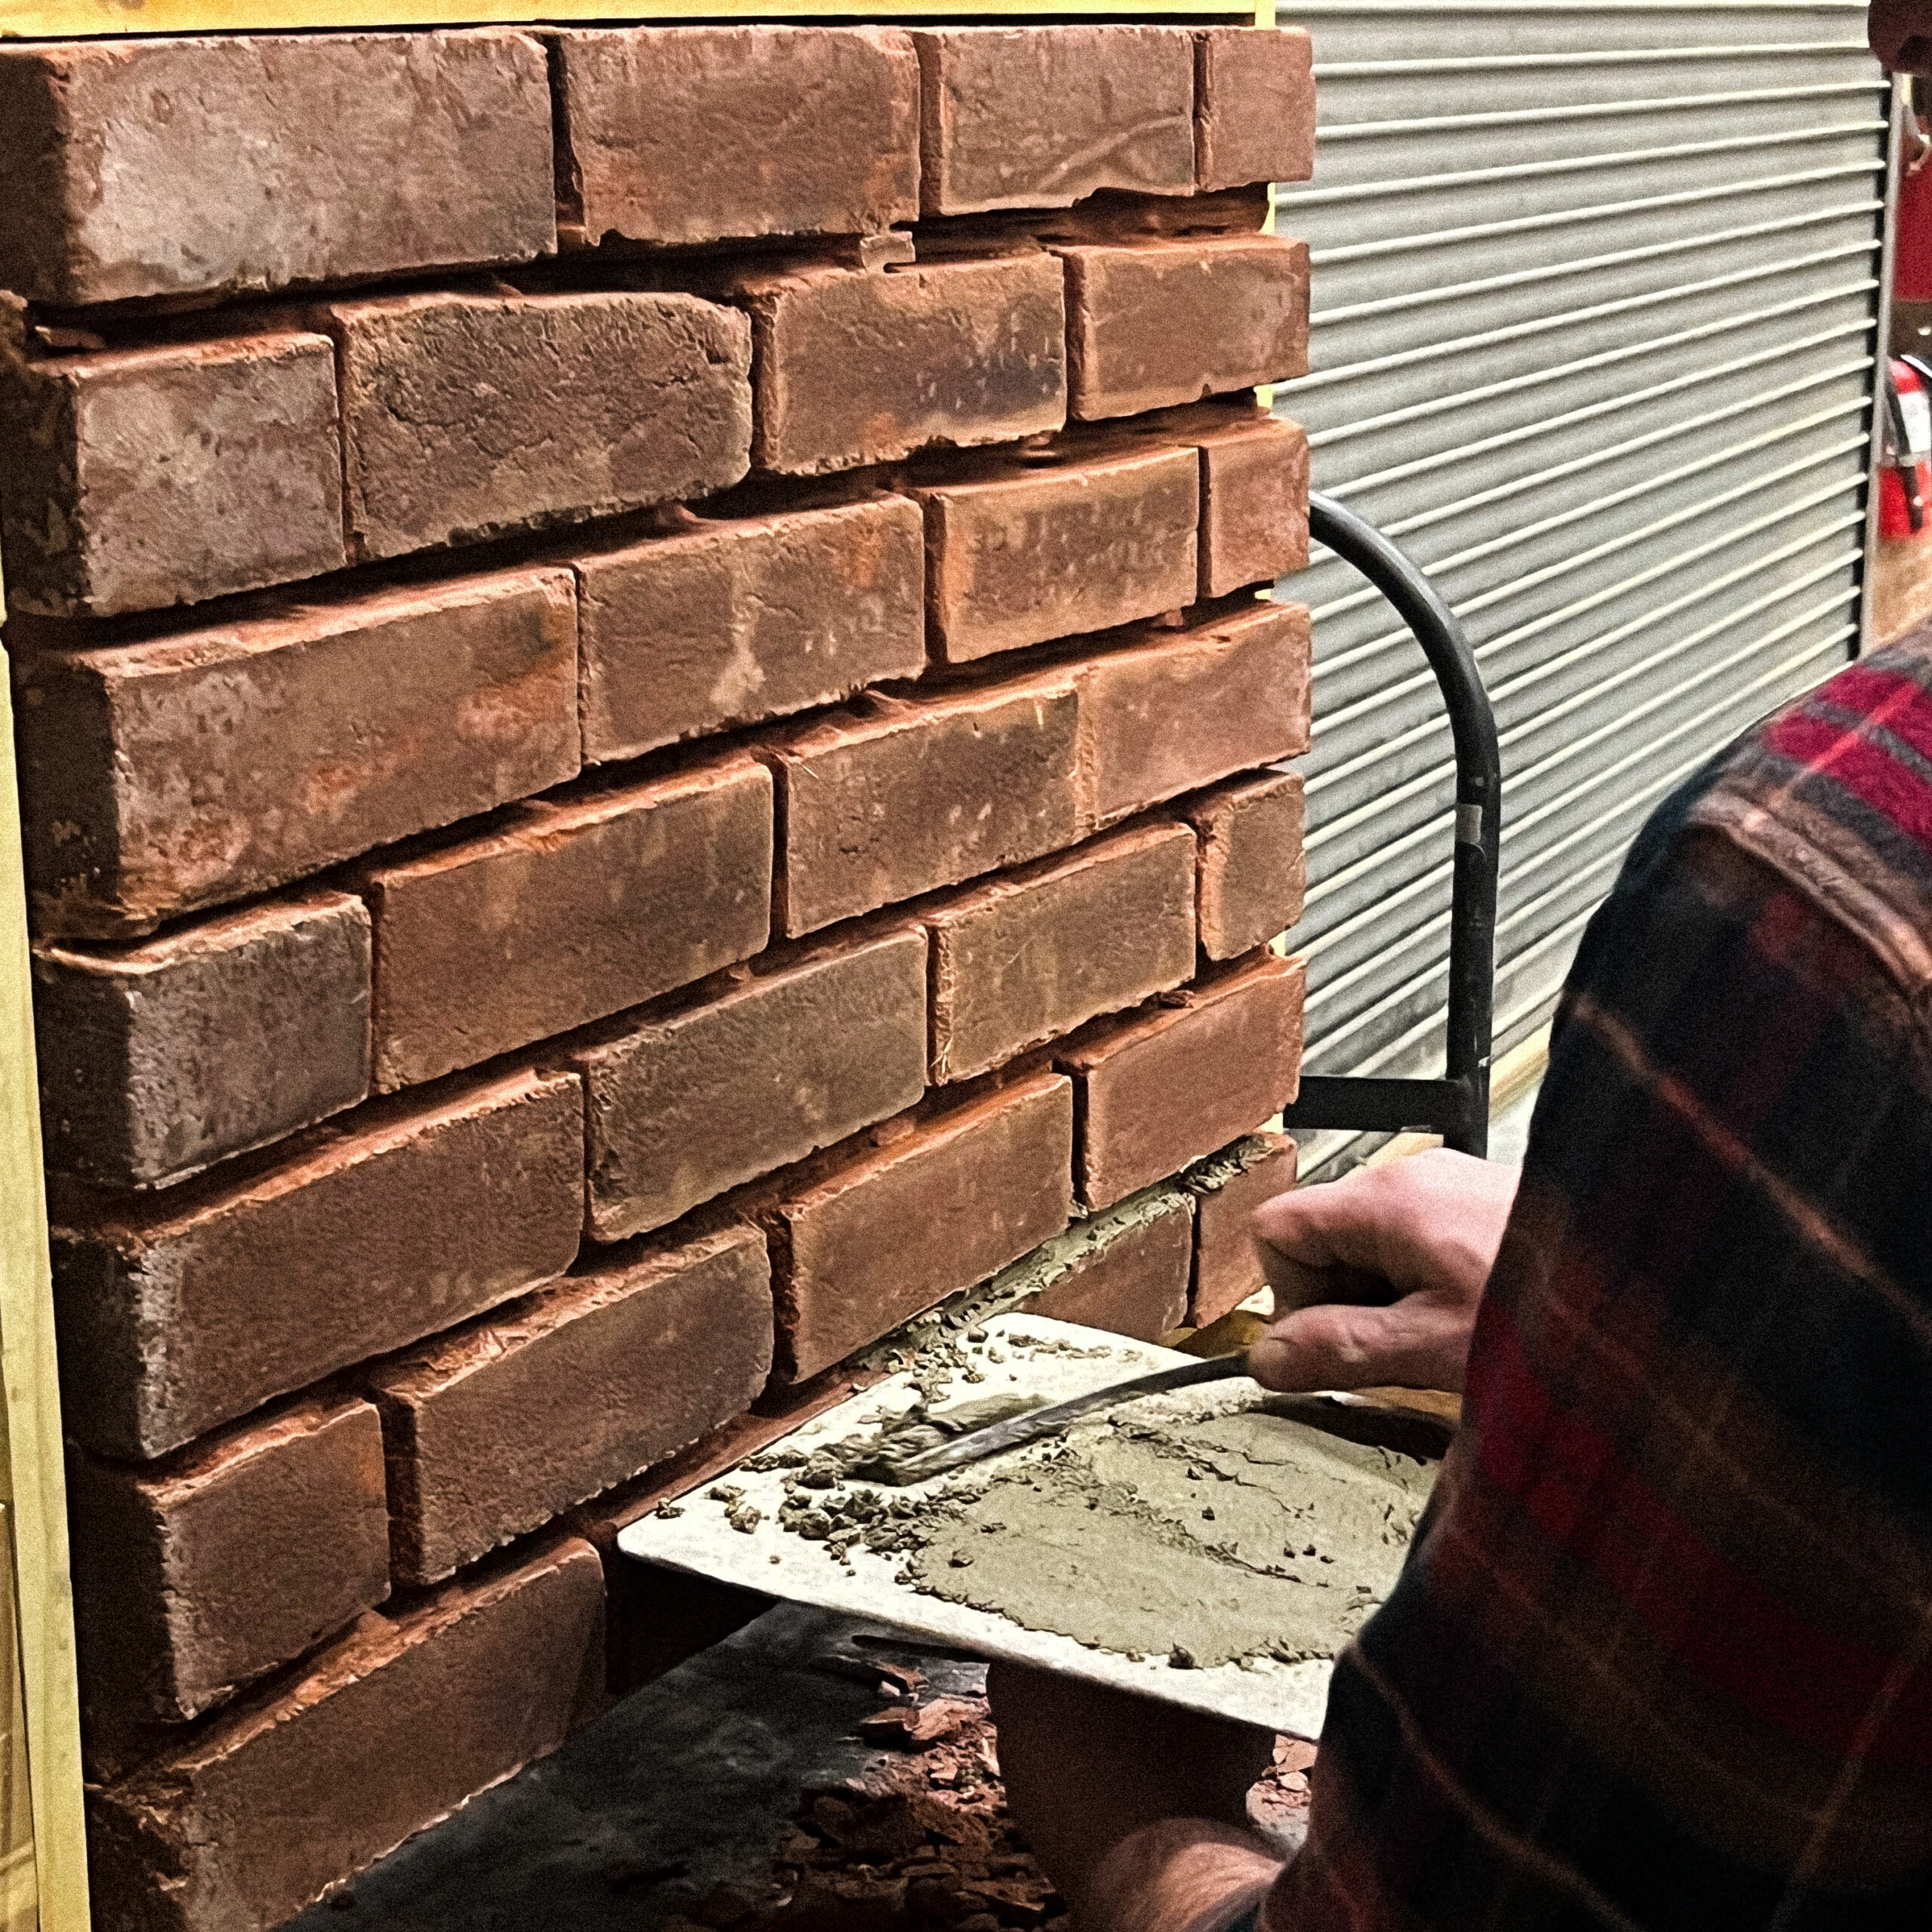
pixel 1457 1106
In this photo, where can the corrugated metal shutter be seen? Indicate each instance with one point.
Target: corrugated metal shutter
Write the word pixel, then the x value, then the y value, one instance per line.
pixel 1595 287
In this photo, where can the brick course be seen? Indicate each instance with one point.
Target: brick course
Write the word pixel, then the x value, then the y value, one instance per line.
pixel 1254 106
pixel 1253 491
pixel 1127 1270
pixel 1254 870
pixel 1227 1266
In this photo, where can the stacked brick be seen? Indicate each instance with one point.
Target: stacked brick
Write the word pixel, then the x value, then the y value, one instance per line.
pixel 648 745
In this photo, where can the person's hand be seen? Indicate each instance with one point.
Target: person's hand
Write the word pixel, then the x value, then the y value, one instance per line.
pixel 1418 1236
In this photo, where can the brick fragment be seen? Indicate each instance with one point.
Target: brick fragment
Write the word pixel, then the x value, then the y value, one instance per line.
pixel 667 134
pixel 896 798
pixel 140 477
pixel 1034 954
pixel 1044 545
pixel 1253 491
pixel 367 154
pixel 157 1059
pixel 858 366
pixel 1194 705
pixel 897 1230
pixel 1042 117
pixel 194 1577
pixel 1253 870
pixel 466 416
pixel 1126 1270
pixel 1227 1254
pixel 182 1312
pixel 159 777
pixel 1153 324
pixel 733 621
pixel 682 1107
pixel 491 1431
pixel 1165 1087
pixel 1253 107
pixel 384 1732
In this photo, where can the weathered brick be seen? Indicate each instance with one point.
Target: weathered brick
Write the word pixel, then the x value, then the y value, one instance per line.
pixel 857 366
pixel 1253 106
pixel 1253 491
pixel 568 913
pixel 682 1107
pixel 139 478
pixel 193 1576
pixel 1041 545
pixel 669 133
pixel 727 623
pixel 898 797
pixel 1152 324
pixel 159 777
pixel 1165 1087
pixel 1042 117
pixel 157 1059
pixel 180 1312
pixel 1254 872
pixel 366 154
pixel 491 1431
pixel 1031 956
pixel 384 1733
pixel 1126 1270
pixel 466 416
pixel 1227 1253
pixel 897 1230
pixel 1193 707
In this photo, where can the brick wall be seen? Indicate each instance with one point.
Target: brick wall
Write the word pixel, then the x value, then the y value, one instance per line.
pixel 648 746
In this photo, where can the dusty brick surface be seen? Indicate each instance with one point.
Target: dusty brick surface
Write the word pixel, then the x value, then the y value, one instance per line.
pixel 465 416
pixel 1154 323
pixel 384 1732
pixel 901 797
pixel 159 1058
pixel 1029 957
pixel 193 1576
pixel 569 912
pixel 1127 1270
pixel 730 622
pixel 1033 547
pixel 1254 106
pixel 1254 870
pixel 670 133
pixel 367 154
pixel 1040 117
pixel 494 1430
pixel 159 777
pixel 1193 707
pixel 140 477
pixel 897 1230
pixel 190 1308
pixel 1166 1086
pixel 684 1106
pixel 858 366
pixel 1227 1255
pixel 1253 491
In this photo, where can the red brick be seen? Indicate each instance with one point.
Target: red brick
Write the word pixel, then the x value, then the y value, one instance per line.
pixel 1254 872
pixel 366 154
pixel 570 912
pixel 897 1230
pixel 669 133
pixel 139 478
pixel 1029 956
pixel 387 1731
pixel 466 416
pixel 1042 117
pixel 1193 707
pixel 1253 491
pixel 857 366
pixel 494 1430
pixel 1152 324
pixel 1227 1254
pixel 1169 1085
pixel 1126 1271
pixel 159 1058
pixel 157 778
pixel 1045 545
pixel 727 623
pixel 183 1311
pixel 193 1576
pixel 682 1107
pixel 1253 107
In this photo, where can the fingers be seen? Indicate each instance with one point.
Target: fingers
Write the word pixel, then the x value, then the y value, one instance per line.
pixel 1338 1224
pixel 1421 1342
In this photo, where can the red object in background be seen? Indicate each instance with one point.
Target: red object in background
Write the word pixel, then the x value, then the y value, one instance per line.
pixel 1904 473
pixel 1911 247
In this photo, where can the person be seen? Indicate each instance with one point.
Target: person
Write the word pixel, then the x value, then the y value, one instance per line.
pixel 1658 1657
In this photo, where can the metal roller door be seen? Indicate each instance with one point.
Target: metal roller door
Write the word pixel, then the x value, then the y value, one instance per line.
pixel 1595 291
